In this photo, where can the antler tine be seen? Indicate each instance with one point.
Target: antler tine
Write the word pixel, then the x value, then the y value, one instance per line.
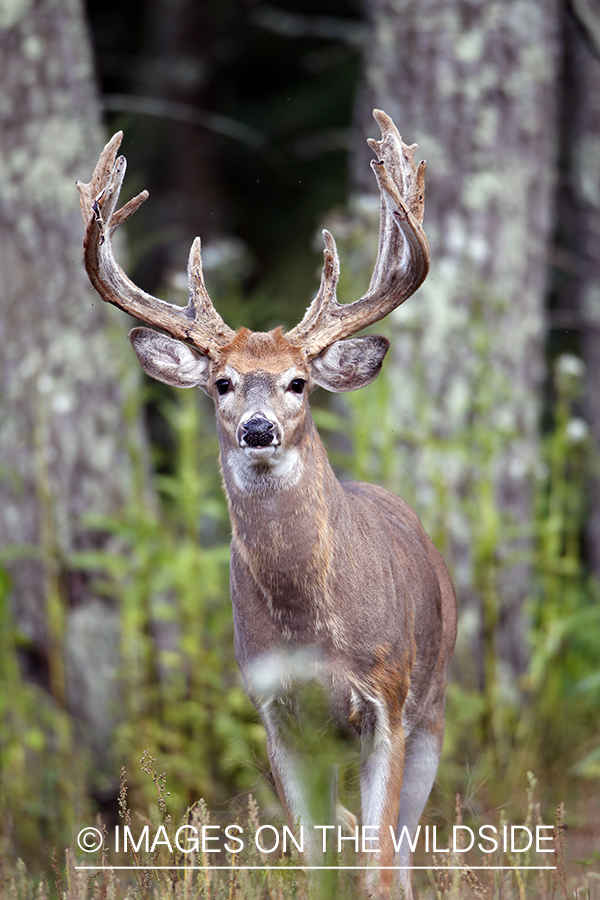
pixel 100 178
pixel 402 259
pixel 198 323
pixel 325 303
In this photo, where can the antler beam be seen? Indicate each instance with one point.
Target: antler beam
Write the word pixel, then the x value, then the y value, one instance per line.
pixel 198 323
pixel 402 259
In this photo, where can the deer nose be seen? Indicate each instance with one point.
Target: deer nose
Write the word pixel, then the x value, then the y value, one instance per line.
pixel 258 432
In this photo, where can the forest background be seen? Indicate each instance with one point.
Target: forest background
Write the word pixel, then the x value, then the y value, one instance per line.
pixel 247 122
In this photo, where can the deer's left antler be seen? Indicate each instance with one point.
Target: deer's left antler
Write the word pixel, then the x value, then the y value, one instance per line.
pixel 402 259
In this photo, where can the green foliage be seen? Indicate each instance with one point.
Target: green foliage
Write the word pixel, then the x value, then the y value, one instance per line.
pixel 41 779
pixel 551 714
pixel 181 691
pixel 179 687
pixel 564 609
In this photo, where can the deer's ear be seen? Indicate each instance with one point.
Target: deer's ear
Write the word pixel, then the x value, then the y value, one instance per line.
pixel 169 360
pixel 349 365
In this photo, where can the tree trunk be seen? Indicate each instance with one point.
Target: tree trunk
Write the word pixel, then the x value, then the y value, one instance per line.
pixel 65 436
pixel 475 85
pixel 577 295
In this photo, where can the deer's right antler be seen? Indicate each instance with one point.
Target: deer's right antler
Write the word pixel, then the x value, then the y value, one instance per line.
pixel 199 324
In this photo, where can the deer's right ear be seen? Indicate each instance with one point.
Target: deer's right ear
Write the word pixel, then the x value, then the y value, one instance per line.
pixel 169 360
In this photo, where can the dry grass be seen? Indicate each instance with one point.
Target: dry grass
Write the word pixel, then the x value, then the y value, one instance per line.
pixel 194 876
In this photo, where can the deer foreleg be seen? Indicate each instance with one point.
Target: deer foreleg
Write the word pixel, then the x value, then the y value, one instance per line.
pixel 306 789
pixel 381 784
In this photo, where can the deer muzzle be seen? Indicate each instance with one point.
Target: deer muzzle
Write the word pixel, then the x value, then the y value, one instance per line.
pixel 257 432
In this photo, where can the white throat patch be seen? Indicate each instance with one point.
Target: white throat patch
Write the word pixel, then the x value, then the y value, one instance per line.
pixel 264 471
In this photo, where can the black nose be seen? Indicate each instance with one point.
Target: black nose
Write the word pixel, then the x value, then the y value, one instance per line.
pixel 258 432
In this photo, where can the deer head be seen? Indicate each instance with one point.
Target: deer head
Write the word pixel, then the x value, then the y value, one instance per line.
pixel 260 381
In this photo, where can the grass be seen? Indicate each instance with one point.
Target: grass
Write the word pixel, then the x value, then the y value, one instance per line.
pixel 456 875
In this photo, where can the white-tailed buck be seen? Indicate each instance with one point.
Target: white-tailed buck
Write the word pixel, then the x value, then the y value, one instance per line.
pixel 339 574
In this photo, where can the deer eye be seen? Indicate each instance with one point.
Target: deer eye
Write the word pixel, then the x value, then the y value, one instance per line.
pixel 297 385
pixel 223 385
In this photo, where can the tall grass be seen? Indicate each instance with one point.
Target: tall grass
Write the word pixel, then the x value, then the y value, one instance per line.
pixel 167 866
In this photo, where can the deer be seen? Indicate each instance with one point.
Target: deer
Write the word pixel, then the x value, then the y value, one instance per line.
pixel 331 581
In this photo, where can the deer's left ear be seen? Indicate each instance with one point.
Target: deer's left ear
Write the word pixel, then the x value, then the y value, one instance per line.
pixel 350 364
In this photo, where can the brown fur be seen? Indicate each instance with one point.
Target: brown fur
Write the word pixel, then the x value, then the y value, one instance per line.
pixel 347 569
pixel 252 350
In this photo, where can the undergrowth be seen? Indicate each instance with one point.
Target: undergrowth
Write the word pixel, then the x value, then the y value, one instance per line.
pixel 233 857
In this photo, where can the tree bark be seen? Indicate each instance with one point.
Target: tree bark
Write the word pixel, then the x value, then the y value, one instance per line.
pixel 65 435
pixel 475 85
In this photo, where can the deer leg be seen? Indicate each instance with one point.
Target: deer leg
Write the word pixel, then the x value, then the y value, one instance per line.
pixel 423 751
pixel 306 789
pixel 381 784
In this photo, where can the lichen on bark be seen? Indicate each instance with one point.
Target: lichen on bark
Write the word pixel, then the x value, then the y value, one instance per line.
pixel 63 440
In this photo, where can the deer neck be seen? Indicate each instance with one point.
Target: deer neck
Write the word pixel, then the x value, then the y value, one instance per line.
pixel 282 514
